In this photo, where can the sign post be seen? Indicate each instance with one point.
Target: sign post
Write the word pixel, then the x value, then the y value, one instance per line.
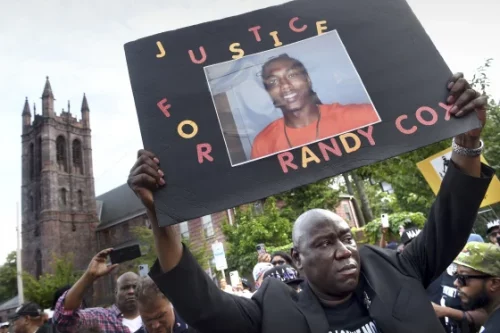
pixel 219 257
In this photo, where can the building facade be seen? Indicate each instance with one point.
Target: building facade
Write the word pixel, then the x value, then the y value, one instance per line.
pixel 58 200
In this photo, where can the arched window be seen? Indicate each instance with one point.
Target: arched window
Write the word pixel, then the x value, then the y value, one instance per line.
pixel 37 231
pixel 39 156
pixel 61 153
pixel 38 263
pixel 62 198
pixel 38 201
pixel 80 199
pixel 31 203
pixel 77 156
pixel 32 161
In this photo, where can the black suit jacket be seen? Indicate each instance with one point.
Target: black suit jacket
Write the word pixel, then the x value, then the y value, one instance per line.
pixel 392 285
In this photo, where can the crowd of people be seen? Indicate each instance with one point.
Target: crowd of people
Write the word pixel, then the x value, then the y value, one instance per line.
pixel 441 278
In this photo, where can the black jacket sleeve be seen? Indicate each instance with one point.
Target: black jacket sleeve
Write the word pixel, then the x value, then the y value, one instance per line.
pixel 201 303
pixel 448 225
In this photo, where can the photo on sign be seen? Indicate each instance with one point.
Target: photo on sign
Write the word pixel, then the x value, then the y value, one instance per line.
pixel 440 164
pixel 288 97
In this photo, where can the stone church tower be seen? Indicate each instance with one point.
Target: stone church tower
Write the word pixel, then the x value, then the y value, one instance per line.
pixel 58 200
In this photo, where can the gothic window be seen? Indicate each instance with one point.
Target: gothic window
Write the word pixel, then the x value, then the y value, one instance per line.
pixel 61 153
pixel 38 263
pixel 37 231
pixel 32 161
pixel 80 199
pixel 62 198
pixel 39 155
pixel 77 156
pixel 38 201
pixel 208 226
pixel 31 204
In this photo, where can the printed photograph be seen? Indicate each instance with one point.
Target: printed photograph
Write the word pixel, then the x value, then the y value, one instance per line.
pixel 288 97
pixel 440 164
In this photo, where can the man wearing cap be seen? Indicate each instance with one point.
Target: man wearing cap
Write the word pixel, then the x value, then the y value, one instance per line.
pixel 493 231
pixel 478 281
pixel 27 318
pixel 447 305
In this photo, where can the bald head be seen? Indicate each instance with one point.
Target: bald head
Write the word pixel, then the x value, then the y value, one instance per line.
pixel 305 221
pixel 326 253
pixel 126 299
pixel 127 277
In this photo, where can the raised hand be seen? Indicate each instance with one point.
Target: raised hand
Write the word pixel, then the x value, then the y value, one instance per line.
pixel 145 177
pixel 466 100
pixel 98 265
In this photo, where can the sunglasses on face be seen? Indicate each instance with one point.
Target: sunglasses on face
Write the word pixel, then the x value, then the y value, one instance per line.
pixel 463 278
pixel 278 262
pixel 495 234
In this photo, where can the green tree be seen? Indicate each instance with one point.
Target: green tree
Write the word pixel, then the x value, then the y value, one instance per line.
pixel 42 290
pixel 316 195
pixel 8 278
pixel 250 228
pixel 373 230
pixel 145 238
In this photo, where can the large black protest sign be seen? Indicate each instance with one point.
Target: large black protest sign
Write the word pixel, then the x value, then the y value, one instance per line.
pixel 256 104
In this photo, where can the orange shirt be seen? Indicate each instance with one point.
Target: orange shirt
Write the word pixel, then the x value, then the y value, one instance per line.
pixel 335 119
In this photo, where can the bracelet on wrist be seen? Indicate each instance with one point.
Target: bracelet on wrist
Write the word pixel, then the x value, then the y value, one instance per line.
pixel 470 152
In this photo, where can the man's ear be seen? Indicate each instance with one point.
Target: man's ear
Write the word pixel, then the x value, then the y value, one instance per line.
pixel 495 285
pixel 296 258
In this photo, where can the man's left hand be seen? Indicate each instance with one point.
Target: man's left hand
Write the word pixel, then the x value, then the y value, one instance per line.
pixel 465 100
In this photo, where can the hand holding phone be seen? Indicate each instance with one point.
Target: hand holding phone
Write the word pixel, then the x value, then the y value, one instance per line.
pixel 384 218
pixel 261 248
pixel 125 254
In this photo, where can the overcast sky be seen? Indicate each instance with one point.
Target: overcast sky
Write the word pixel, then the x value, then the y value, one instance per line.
pixel 79 44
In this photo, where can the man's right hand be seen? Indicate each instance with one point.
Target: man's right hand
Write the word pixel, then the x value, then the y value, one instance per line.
pixel 145 177
pixel 98 265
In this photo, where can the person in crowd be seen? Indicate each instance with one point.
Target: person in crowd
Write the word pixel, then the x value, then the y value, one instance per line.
pixel 493 231
pixel 478 281
pixel 305 119
pixel 444 297
pixel 4 327
pixel 91 329
pixel 286 274
pixel 344 290
pixel 224 286
pixel 407 236
pixel 27 319
pixel 123 316
pixel 156 311
pixel 280 258
pixel 258 272
pixel 242 289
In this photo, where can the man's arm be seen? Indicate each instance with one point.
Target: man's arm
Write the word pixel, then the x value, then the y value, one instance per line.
pixel 68 320
pixel 475 318
pixel 454 211
pixel 67 314
pixel 177 274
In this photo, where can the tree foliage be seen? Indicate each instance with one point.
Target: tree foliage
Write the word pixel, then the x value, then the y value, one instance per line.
pixel 373 230
pixel 146 240
pixel 250 228
pixel 315 195
pixel 42 290
pixel 8 278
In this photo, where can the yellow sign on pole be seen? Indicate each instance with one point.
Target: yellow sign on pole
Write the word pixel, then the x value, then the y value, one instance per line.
pixel 433 168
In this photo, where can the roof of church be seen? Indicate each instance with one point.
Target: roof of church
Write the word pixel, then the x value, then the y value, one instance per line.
pixel 10 304
pixel 118 205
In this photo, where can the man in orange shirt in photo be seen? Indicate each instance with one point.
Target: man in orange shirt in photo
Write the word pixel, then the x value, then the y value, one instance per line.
pixel 305 118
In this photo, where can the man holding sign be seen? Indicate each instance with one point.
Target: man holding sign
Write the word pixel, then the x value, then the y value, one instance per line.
pixel 346 290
